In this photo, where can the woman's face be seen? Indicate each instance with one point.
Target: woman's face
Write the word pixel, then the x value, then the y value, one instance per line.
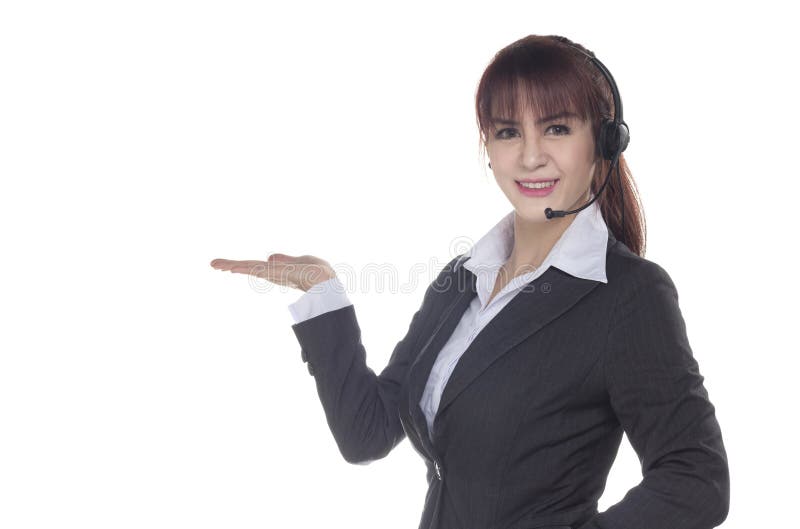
pixel 557 148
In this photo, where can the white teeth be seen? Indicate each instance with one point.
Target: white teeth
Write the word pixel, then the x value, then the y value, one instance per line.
pixel 538 185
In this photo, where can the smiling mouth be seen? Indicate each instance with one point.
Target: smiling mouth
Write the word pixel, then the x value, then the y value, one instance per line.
pixel 543 184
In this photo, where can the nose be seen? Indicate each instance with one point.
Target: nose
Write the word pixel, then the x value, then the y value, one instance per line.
pixel 533 152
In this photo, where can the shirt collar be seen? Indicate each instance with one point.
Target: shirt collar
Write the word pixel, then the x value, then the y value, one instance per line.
pixel 580 251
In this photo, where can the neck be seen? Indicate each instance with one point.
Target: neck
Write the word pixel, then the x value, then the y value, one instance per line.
pixel 533 241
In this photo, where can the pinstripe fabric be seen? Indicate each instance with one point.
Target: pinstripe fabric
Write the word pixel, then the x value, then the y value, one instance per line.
pixel 580 251
pixel 532 415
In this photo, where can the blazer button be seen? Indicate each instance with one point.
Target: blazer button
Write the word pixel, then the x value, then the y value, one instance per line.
pixel 438 470
pixel 310 369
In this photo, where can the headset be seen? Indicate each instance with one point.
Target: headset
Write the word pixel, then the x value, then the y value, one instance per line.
pixel 614 133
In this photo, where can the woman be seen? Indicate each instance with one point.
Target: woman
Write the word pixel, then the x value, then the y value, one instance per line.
pixel 533 352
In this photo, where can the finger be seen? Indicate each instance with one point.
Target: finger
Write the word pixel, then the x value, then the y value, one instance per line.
pixel 248 265
pixel 275 271
pixel 272 271
pixel 227 264
pixel 222 264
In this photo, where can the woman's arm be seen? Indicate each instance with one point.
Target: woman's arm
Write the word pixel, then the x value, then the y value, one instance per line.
pixel 361 408
pixel 656 389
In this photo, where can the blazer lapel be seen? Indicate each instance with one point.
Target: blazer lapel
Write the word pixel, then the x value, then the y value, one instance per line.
pixel 421 368
pixel 540 302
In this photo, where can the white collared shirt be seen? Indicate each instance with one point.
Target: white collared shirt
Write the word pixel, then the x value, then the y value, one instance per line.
pixel 580 252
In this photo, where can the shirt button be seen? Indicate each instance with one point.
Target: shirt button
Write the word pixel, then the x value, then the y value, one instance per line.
pixel 438 470
pixel 310 370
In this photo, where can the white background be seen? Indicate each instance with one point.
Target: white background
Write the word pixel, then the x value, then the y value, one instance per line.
pixel 139 387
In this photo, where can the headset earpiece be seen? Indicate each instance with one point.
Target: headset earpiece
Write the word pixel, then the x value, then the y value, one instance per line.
pixel 614 138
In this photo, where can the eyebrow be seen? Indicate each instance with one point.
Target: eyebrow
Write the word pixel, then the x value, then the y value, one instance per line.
pixel 540 121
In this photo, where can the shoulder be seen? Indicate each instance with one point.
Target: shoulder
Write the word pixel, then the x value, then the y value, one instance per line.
pixel 628 271
pixel 640 288
pixel 447 281
pixel 645 305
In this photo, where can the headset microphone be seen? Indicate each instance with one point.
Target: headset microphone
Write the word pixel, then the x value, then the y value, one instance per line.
pixel 613 139
pixel 550 213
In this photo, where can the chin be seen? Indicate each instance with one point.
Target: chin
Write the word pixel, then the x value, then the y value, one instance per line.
pixel 533 212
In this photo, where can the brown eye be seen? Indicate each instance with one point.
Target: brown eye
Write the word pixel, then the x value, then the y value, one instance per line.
pixel 563 128
pixel 500 133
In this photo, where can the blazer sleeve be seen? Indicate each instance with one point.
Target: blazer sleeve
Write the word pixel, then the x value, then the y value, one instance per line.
pixel 656 390
pixel 361 408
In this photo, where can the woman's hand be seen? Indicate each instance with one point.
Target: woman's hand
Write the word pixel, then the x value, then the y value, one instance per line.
pixel 302 272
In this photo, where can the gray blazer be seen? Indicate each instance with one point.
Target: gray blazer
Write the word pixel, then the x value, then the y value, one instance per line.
pixel 533 415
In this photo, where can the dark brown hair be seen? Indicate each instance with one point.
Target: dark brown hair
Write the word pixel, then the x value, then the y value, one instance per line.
pixel 553 77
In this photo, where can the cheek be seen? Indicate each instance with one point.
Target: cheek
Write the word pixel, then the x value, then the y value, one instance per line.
pixel 579 173
pixel 584 162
